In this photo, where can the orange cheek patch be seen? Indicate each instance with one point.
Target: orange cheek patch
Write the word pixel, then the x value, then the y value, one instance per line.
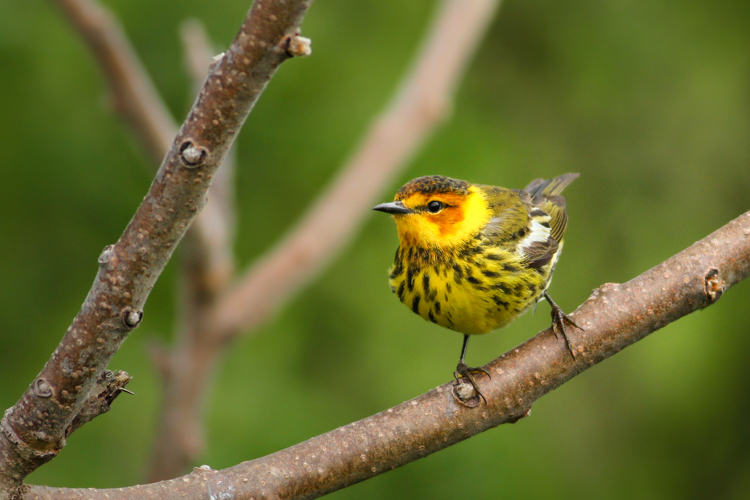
pixel 448 221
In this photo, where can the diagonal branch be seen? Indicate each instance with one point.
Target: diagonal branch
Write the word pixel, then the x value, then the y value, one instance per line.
pixel 133 93
pixel 208 267
pixel 136 99
pixel 34 429
pixel 615 316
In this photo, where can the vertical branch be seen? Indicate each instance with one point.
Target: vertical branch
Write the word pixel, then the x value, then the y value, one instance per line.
pixel 211 246
pixel 187 367
pixel 135 98
pixel 207 259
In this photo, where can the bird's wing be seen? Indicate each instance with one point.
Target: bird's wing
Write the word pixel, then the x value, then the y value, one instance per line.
pixel 545 195
pixel 538 246
pixel 555 207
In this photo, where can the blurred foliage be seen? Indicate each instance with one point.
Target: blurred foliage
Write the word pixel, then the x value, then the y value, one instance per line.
pixel 648 100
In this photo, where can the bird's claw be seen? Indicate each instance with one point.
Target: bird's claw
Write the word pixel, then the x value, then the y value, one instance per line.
pixel 468 372
pixel 559 319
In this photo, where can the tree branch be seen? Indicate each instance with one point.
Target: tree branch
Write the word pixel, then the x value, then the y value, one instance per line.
pixel 133 95
pixel 34 429
pixel 109 385
pixel 207 259
pixel 136 99
pixel 421 103
pixel 208 267
pixel 614 317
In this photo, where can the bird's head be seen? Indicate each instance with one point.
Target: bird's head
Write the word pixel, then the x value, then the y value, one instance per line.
pixel 437 212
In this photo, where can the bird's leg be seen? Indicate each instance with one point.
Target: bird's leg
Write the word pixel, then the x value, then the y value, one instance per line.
pixel 559 318
pixel 462 370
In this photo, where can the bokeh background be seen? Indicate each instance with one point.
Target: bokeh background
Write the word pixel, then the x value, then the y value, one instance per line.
pixel 650 101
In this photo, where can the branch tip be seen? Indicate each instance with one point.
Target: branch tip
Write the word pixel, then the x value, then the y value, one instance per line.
pixel 109 385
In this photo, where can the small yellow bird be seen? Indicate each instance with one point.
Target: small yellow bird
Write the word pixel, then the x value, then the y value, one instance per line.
pixel 473 258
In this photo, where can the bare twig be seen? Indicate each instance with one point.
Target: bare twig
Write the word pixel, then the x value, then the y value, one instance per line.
pixel 208 266
pixel 133 93
pixel 419 105
pixel 210 261
pixel 614 317
pixel 34 429
pixel 135 97
pixel 109 385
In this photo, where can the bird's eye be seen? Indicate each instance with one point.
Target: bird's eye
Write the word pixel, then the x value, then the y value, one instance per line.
pixel 434 206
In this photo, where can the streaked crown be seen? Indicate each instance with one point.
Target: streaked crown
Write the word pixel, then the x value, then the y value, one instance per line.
pixel 432 184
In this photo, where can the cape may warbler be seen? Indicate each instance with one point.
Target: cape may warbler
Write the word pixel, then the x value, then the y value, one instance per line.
pixel 473 258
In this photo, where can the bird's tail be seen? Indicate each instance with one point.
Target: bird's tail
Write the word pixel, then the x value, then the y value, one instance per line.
pixel 550 187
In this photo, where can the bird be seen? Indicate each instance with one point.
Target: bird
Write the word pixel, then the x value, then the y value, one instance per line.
pixel 472 258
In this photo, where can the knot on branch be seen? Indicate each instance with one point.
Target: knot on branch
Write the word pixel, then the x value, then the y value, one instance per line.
pixel 297 46
pixel 192 156
pixel 713 285
pixel 106 256
pixel 516 418
pixel 131 318
pixel 464 393
pixel 42 388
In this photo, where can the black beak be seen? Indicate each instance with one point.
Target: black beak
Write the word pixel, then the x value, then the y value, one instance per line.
pixel 393 208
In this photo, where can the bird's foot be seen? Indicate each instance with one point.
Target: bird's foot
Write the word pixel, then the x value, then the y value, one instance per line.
pixel 559 320
pixel 465 374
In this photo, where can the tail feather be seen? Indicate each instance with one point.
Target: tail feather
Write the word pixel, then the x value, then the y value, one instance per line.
pixel 550 187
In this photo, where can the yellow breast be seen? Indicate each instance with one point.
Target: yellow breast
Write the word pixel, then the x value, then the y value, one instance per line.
pixel 476 290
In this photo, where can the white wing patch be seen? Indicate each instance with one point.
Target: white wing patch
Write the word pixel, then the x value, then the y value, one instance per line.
pixel 537 234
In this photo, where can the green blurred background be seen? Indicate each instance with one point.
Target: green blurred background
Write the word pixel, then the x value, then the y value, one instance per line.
pixel 650 101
